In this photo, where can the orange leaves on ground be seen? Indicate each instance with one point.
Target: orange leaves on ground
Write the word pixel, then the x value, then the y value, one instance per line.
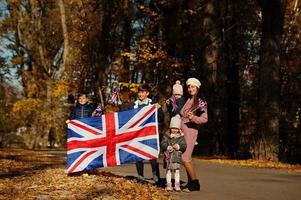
pixel 19 161
pixel 256 163
pixel 33 175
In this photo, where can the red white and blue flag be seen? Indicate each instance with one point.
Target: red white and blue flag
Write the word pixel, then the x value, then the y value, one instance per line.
pixel 113 139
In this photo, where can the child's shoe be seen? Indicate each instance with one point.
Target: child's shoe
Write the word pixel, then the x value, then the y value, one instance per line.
pixel 177 187
pixel 155 178
pixel 168 187
pixel 141 179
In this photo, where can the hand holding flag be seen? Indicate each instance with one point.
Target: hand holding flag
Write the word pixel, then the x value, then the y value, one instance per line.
pixel 202 105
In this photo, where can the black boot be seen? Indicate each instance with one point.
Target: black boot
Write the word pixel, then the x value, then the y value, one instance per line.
pixel 194 185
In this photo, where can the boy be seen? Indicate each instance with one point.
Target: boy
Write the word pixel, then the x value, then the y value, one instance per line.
pixel 143 100
pixel 82 109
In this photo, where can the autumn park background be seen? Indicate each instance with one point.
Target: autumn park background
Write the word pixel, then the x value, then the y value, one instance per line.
pixel 245 53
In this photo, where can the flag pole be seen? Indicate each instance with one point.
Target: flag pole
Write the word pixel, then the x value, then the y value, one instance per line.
pixel 100 97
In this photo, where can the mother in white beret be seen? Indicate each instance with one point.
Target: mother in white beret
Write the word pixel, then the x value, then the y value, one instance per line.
pixel 193 113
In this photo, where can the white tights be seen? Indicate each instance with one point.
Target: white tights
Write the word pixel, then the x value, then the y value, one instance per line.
pixel 176 176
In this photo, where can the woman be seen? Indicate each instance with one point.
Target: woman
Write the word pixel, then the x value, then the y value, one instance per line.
pixel 193 113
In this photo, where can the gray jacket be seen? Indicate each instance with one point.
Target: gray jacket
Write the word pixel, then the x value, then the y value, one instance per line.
pixel 176 155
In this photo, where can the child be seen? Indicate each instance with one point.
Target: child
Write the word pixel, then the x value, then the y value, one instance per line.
pixel 143 100
pixel 176 101
pixel 82 108
pixel 98 111
pixel 173 144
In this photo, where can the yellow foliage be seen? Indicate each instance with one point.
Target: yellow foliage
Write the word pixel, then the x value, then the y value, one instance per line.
pixel 118 62
pixel 147 56
pixel 132 86
pixel 32 90
pixel 17 60
pixel 60 89
pixel 128 54
pixel 25 107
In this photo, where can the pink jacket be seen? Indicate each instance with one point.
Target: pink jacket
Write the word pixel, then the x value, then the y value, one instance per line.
pixel 203 118
pixel 190 128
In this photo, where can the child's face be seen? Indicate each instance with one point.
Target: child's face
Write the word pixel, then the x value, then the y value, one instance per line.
pixel 83 99
pixel 177 96
pixel 175 132
pixel 142 95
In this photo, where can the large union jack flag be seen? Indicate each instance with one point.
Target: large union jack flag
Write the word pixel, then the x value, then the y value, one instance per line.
pixel 112 139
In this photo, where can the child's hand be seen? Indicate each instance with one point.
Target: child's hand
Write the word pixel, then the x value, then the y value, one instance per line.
pixel 176 147
pixel 67 121
pixel 170 148
pixel 158 105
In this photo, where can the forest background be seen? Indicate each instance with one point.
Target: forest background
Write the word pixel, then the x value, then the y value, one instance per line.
pixel 245 53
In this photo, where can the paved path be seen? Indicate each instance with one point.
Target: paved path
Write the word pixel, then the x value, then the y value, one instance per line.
pixel 231 182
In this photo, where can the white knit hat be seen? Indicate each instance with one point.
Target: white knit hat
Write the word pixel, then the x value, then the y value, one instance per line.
pixel 177 88
pixel 175 122
pixel 193 81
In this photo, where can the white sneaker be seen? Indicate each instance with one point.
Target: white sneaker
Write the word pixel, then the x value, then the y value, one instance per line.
pixel 177 187
pixel 168 187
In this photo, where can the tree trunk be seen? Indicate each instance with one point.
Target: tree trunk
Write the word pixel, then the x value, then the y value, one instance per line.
pixel 215 80
pixel 211 52
pixel 266 139
pixel 65 69
pixel 231 59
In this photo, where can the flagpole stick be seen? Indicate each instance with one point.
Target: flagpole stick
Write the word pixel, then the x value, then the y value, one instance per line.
pixel 101 97
pixel 194 109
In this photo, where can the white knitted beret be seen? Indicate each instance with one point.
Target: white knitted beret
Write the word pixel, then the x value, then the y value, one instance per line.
pixel 193 81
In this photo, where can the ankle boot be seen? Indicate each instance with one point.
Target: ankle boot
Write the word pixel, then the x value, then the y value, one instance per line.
pixel 194 185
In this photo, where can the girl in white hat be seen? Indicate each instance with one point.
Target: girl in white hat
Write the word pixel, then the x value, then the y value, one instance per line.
pixel 173 144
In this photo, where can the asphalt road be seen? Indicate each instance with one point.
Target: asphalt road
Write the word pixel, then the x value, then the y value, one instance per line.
pixel 227 182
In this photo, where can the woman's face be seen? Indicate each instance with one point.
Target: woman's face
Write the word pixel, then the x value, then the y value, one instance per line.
pixel 192 90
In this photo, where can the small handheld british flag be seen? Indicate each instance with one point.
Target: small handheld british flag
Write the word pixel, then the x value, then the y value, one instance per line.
pixel 112 139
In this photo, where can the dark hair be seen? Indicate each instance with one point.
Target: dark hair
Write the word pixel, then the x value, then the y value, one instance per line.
pixel 144 87
pixel 82 93
pixel 196 99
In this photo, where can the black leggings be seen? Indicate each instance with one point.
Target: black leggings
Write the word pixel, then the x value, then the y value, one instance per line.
pixel 154 165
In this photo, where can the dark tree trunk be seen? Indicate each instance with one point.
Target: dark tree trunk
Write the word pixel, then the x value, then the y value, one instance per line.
pixel 231 60
pixel 215 80
pixel 105 47
pixel 266 140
